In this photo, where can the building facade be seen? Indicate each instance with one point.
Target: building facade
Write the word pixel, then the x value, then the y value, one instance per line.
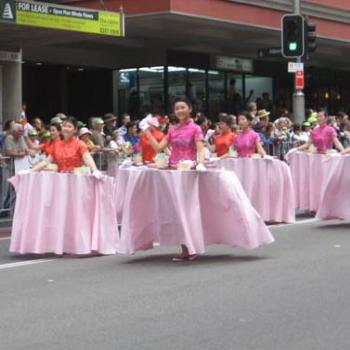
pixel 206 49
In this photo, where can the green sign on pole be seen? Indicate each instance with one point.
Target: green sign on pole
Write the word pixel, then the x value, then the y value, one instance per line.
pixel 52 16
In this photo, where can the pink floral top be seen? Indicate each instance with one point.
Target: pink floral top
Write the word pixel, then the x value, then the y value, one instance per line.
pixel 322 137
pixel 182 139
pixel 245 143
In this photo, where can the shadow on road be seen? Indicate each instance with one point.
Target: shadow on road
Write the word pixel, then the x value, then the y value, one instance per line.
pixel 166 259
pixel 342 226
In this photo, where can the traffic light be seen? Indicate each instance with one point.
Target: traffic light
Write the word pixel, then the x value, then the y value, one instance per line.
pixel 293 36
pixel 310 36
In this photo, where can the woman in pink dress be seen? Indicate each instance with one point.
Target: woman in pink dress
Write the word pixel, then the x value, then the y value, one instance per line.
pixel 185 140
pixel 248 141
pixel 323 136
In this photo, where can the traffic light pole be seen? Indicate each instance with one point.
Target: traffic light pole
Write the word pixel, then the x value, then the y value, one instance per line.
pixel 298 96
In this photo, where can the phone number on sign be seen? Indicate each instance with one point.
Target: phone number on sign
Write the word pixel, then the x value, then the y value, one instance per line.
pixel 109 31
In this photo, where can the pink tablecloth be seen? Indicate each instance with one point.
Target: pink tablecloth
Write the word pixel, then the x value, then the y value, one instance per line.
pixel 335 199
pixel 187 207
pixel 309 174
pixel 268 185
pixel 64 213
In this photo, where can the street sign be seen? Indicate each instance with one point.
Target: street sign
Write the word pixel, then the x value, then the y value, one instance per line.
pixel 270 52
pixel 234 63
pixel 52 16
pixel 299 80
pixel 293 67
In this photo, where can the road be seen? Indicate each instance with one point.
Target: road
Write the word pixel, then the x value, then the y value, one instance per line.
pixel 293 295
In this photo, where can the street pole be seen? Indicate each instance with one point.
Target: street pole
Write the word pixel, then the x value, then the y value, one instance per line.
pixel 298 96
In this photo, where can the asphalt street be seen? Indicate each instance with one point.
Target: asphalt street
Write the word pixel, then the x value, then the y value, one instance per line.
pixel 293 294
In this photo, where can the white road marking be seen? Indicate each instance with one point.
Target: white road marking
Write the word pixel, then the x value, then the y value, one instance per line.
pixel 4 238
pixel 24 263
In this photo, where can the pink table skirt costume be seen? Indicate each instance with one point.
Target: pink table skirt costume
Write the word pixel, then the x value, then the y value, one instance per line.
pixel 335 202
pixel 64 213
pixel 187 207
pixel 309 173
pixel 268 185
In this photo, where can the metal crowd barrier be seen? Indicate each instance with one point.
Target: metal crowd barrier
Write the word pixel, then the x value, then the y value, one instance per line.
pixel 280 149
pixel 105 160
pixel 7 192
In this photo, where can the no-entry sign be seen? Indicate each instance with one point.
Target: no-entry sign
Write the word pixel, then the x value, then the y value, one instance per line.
pixel 299 80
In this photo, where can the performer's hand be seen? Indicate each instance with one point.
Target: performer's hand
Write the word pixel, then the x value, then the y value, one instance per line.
pixel 97 175
pixel 201 167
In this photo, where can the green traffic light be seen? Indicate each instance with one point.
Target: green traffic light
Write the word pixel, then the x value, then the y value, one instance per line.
pixel 293 46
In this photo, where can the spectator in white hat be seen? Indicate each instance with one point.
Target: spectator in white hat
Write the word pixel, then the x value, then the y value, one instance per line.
pixel 85 136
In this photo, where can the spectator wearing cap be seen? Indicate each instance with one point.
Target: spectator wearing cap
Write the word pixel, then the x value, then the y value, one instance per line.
pixel 147 151
pixel 62 116
pixel 306 127
pixel 97 135
pixel 15 145
pixel 85 136
pixel 312 119
pixel 33 142
pixel 56 120
pixel 125 120
pixel 110 124
pixel 263 116
pixel 81 124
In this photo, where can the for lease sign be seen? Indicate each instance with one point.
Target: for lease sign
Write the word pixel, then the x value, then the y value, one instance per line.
pixel 44 15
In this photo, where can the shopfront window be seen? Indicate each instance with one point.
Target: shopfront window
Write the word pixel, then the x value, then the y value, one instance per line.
pixel 216 94
pixel 259 89
pixel 151 81
pixel 176 83
pixel 235 93
pixel 128 100
pixel 196 89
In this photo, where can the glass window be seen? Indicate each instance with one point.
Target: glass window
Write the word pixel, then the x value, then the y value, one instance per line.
pixel 259 89
pixel 216 94
pixel 151 90
pixel 196 89
pixel 176 83
pixel 128 100
pixel 235 95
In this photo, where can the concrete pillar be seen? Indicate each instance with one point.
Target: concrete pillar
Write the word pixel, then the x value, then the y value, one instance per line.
pixel 11 89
